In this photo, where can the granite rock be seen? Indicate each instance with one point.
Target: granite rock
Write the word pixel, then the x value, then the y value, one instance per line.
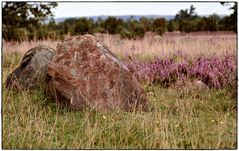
pixel 31 73
pixel 85 73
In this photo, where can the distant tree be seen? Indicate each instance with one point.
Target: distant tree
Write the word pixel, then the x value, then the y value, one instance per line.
pixel 83 26
pixel 71 21
pixel 20 15
pixel 66 27
pixel 184 25
pixel 172 26
pixel 202 24
pixel 186 14
pixel 213 22
pixel 232 19
pixel 146 23
pixel 99 26
pixel 139 31
pixel 187 19
pixel 52 25
pixel 110 25
pixel 182 14
pixel 192 11
pixel 159 25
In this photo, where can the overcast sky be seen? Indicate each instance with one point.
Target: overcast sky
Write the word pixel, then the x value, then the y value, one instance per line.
pixel 79 9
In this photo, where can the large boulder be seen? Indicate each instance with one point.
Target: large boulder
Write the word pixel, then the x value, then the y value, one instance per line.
pixel 85 73
pixel 31 73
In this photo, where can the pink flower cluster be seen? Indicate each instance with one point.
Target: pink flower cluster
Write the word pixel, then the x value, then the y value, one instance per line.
pixel 215 72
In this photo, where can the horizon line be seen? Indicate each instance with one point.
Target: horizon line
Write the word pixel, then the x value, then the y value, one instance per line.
pixel 136 15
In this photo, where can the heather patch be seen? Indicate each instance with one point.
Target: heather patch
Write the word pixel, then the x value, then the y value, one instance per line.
pixel 216 72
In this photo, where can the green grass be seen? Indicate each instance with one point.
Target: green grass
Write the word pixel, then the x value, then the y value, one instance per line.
pixel 180 120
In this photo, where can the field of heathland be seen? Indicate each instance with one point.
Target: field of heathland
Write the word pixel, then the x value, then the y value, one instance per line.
pixel 190 79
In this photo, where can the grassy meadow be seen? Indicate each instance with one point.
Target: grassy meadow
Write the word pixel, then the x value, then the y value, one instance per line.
pixel 183 118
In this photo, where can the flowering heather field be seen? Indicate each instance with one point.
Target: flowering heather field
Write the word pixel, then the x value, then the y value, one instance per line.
pixel 215 72
pixel 183 118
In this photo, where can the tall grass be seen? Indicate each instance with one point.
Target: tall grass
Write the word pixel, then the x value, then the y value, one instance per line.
pixel 152 45
pixel 181 119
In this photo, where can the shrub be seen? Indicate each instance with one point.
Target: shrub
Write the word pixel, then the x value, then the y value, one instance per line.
pixel 215 72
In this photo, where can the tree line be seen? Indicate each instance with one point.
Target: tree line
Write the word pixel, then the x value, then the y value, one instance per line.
pixel 26 21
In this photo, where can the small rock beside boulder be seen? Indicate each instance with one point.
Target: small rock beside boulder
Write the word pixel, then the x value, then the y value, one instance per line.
pixel 31 72
pixel 198 84
pixel 84 72
pixel 195 85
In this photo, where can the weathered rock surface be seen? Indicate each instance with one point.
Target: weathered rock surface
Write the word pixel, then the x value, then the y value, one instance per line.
pixel 198 84
pixel 195 85
pixel 31 72
pixel 85 73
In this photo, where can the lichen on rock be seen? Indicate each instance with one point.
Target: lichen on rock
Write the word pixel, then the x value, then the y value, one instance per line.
pixel 31 73
pixel 84 72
